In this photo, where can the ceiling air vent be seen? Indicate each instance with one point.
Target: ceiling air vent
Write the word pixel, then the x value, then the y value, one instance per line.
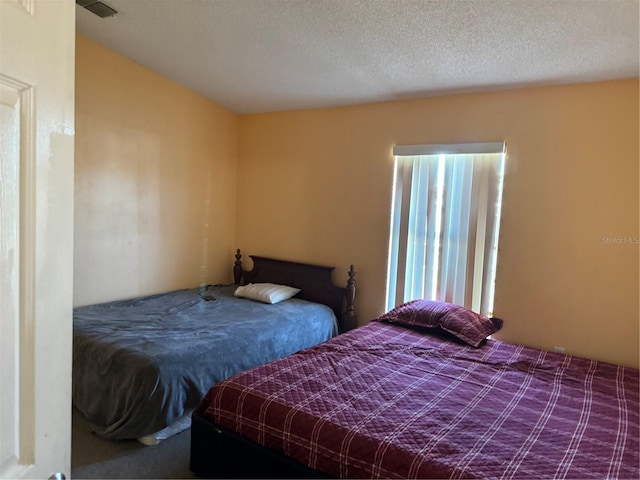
pixel 99 8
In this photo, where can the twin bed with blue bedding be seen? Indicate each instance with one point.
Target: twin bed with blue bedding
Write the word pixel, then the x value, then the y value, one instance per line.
pixel 140 365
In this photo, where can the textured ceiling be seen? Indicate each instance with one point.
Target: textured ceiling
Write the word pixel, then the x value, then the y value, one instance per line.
pixel 269 55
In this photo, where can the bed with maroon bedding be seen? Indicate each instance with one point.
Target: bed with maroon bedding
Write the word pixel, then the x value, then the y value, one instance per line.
pixel 402 399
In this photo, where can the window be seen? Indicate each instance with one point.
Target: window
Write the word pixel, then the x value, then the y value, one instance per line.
pixel 445 221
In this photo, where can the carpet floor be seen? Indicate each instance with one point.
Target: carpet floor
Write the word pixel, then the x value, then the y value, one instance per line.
pixel 94 457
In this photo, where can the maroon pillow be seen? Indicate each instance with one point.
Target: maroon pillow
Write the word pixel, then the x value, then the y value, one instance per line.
pixel 470 327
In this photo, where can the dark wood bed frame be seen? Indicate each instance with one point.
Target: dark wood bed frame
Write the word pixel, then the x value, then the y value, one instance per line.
pixel 219 453
pixel 314 281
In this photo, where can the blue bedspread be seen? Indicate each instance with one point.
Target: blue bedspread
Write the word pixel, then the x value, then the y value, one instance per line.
pixel 139 364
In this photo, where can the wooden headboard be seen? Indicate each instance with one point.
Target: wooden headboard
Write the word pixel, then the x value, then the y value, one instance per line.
pixel 314 281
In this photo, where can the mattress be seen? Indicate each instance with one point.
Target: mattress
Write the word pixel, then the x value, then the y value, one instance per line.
pixel 141 364
pixel 386 401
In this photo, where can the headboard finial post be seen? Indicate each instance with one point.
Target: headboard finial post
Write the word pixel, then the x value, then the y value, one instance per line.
pixel 237 268
pixel 350 314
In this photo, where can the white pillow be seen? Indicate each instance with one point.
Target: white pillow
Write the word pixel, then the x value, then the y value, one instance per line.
pixel 266 292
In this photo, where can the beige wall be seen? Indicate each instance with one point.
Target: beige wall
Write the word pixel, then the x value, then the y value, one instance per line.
pixel 155 181
pixel 315 186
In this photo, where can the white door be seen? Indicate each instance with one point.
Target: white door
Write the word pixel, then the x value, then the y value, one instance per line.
pixel 37 56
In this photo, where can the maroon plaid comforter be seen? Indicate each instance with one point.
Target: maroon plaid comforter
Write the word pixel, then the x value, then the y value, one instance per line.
pixel 387 401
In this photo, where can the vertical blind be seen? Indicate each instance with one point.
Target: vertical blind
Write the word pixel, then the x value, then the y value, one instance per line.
pixel 445 224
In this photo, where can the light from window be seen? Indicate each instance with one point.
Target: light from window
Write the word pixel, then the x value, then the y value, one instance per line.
pixel 445 223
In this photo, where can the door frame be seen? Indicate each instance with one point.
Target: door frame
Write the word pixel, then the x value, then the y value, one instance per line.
pixel 37 70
